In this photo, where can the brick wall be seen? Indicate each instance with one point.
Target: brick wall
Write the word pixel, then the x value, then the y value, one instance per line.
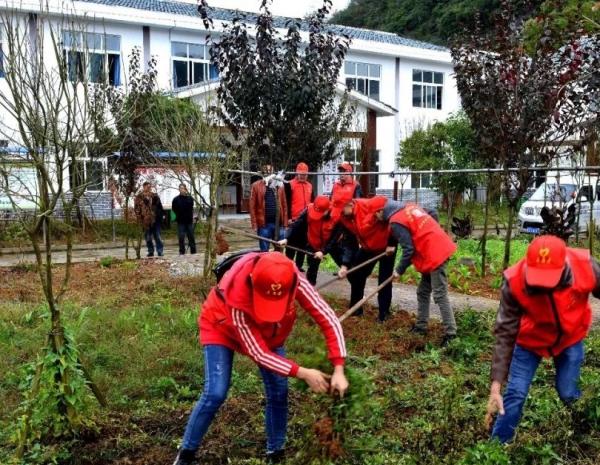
pixel 94 205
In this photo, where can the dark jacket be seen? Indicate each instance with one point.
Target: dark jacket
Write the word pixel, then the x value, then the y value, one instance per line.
pixel 183 207
pixel 297 234
pixel 402 234
pixel 508 321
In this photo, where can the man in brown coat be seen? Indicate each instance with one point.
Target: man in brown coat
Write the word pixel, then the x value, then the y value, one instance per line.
pixel 149 212
pixel 268 208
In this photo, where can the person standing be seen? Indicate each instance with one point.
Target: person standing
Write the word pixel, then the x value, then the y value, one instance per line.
pixel 299 193
pixel 252 311
pixel 149 212
pixel 315 231
pixel 183 207
pixel 345 188
pixel 544 312
pixel 268 208
pixel 373 236
pixel 426 246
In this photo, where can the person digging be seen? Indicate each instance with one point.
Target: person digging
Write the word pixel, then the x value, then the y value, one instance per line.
pixel 315 229
pixel 252 311
pixel 428 248
pixel 544 312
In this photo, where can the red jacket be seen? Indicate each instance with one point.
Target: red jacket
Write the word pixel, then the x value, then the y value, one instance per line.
pixel 301 196
pixel 257 205
pixel 227 318
pixel 372 235
pixel 432 245
pixel 320 231
pixel 553 321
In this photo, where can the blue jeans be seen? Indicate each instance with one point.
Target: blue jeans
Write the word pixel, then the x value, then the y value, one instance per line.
pixel 153 232
pixel 522 369
pixel 218 361
pixel 268 230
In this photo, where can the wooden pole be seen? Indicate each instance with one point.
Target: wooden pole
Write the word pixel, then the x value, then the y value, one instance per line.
pixel 351 270
pixel 360 303
pixel 260 238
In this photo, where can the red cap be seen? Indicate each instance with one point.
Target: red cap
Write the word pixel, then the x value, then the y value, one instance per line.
pixel 274 286
pixel 317 209
pixel 345 167
pixel 546 256
pixel 377 203
pixel 301 167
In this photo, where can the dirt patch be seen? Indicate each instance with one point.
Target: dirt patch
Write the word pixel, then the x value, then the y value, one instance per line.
pixel 390 340
pixel 120 284
pixel 328 439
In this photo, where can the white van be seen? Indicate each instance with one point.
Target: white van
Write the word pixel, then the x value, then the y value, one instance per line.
pixel 561 192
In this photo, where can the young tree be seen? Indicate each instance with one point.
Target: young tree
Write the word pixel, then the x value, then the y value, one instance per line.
pixel 278 94
pixel 48 113
pixel 525 106
pixel 131 109
pixel 444 146
pixel 197 159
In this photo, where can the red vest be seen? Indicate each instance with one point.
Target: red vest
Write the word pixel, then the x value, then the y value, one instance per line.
pixel 319 231
pixel 432 245
pixel 301 196
pixel 341 194
pixel 234 291
pixel 373 235
pixel 551 322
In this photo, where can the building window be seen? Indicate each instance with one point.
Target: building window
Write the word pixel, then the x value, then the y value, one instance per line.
pixel 191 64
pixel 94 57
pixel 88 172
pixel 428 87
pixel 421 181
pixel 364 78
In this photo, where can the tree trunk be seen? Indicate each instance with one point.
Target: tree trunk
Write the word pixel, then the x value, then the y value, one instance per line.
pixel 126 227
pixel 485 228
pixel 212 223
pixel 508 239
pixel 450 211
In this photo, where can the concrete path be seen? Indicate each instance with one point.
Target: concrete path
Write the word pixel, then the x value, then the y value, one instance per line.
pixel 404 296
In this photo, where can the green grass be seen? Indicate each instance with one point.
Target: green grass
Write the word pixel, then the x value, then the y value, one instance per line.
pixel 423 405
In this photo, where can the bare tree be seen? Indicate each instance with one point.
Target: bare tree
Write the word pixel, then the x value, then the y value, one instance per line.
pixel 197 158
pixel 48 115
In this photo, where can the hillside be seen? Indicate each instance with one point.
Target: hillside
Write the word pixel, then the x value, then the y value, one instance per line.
pixel 430 20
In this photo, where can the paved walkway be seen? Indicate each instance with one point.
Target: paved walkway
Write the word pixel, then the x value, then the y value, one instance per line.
pixel 404 296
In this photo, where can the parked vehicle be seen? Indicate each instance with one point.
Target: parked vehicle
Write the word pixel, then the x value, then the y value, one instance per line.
pixel 562 192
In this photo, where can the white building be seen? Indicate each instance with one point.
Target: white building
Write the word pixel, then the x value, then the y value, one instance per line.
pixel 405 83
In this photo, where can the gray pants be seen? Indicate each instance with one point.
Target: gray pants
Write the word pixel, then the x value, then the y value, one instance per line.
pixel 436 282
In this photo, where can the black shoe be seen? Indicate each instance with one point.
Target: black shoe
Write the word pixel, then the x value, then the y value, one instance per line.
pixel 416 330
pixel 447 339
pixel 301 270
pixel 160 254
pixel 276 457
pixel 185 457
pixel 358 313
pixel 150 254
pixel 383 318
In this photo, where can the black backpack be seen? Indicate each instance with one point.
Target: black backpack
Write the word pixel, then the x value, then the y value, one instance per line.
pixel 224 265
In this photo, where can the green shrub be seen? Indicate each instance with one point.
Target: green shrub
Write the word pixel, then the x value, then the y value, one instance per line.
pixel 487 453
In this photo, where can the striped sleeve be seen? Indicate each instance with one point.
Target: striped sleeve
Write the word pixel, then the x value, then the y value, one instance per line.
pixel 255 347
pixel 325 317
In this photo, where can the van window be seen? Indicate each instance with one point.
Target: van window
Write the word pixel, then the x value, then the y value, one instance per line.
pixel 554 193
pixel 585 191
